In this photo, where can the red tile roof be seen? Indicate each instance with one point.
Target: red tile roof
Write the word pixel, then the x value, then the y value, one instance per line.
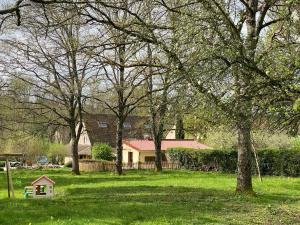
pixel 82 149
pixel 144 145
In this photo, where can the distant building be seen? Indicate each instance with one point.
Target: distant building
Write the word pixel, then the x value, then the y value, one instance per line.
pixel 101 128
pixel 135 151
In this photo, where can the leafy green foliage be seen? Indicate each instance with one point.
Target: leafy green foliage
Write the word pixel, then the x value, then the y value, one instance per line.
pixel 296 143
pixel 285 162
pixel 223 137
pixel 31 146
pixel 2 163
pixel 103 151
pixel 205 159
pixel 278 140
pixel 278 162
pixel 57 152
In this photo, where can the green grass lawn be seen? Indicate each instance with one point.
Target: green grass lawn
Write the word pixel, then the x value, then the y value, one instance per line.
pixel 143 197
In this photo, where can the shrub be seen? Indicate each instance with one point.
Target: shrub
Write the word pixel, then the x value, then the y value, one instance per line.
pixel 103 152
pixel 283 162
pixel 296 143
pixel 218 160
pixel 31 146
pixel 56 153
pixel 2 163
pixel 223 137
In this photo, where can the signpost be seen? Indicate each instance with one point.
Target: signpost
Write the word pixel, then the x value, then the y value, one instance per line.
pixel 10 187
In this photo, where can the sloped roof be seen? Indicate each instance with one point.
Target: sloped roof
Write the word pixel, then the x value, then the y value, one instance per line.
pixel 82 150
pixel 98 134
pixel 43 177
pixel 148 145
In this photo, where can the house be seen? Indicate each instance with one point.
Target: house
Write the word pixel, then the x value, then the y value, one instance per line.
pixel 43 187
pixel 135 151
pixel 101 128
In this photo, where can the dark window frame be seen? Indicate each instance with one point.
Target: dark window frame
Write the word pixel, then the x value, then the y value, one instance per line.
pixel 127 125
pixel 149 158
pixel 103 124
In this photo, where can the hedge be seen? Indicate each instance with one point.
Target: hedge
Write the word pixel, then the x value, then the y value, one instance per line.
pixel 283 162
pixel 103 152
pixel 2 163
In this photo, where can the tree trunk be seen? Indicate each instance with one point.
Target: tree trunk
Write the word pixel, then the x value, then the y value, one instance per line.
pixel 158 155
pixel 179 132
pixel 75 162
pixel 74 145
pixel 119 147
pixel 244 176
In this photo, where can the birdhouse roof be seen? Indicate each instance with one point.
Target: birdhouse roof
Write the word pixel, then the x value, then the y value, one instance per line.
pixel 41 178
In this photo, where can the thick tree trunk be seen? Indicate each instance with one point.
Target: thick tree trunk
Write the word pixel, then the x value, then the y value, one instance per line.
pixel 244 116
pixel 244 176
pixel 158 154
pixel 75 134
pixel 75 162
pixel 119 147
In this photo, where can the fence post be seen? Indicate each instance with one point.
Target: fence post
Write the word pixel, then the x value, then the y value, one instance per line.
pixel 7 175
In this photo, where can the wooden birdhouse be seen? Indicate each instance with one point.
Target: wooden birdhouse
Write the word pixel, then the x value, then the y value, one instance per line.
pixel 43 187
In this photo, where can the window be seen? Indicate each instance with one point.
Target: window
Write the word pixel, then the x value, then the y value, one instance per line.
pixel 149 158
pixel 103 125
pixel 147 126
pixel 127 125
pixel 41 189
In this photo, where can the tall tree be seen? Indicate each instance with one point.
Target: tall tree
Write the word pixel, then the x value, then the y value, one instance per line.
pixel 121 67
pixel 159 83
pixel 51 58
pixel 224 62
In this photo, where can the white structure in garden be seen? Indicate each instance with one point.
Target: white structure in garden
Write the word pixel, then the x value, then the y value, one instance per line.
pixel 43 187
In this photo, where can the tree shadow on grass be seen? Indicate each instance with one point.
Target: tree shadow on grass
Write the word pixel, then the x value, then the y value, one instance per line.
pixel 125 202
pixel 130 205
pixel 119 205
pixel 64 181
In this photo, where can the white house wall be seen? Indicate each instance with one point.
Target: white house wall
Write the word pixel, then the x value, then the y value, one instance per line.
pixel 84 137
pixel 68 159
pixel 135 154
pixel 171 134
pixel 143 154
pixel 138 156
pixel 44 182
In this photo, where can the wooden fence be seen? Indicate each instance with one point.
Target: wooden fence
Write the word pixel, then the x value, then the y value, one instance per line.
pixel 93 166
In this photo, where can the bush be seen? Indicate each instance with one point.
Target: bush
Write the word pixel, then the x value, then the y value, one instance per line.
pixel 2 163
pixel 283 162
pixel 68 164
pixel 103 152
pixel 56 153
